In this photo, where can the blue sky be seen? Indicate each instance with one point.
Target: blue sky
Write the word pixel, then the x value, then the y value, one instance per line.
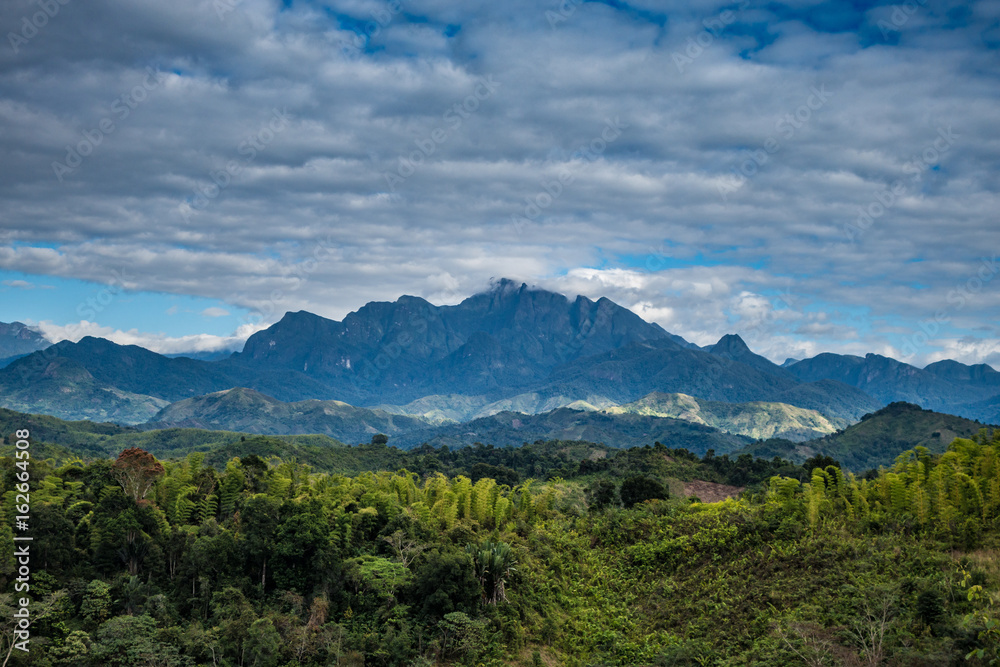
pixel 815 176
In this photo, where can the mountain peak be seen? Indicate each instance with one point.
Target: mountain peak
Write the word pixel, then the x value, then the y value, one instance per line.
pixel 732 347
pixel 506 286
pixel 732 344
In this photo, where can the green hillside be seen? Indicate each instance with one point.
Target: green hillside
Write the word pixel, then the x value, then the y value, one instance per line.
pixel 268 564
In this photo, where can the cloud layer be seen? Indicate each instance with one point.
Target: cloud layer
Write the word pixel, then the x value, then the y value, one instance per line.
pixel 811 176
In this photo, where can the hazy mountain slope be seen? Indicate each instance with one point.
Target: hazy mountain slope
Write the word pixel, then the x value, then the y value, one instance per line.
pixel 134 369
pixel 624 430
pixel 878 438
pixel 829 397
pixel 458 408
pixel 754 420
pixel 634 371
pixel 250 411
pixel 17 339
pixel 439 408
pixel 888 380
pixel 979 375
pixel 987 411
pixel 64 388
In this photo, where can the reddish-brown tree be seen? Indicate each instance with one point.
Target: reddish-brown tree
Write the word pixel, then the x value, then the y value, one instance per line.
pixel 136 470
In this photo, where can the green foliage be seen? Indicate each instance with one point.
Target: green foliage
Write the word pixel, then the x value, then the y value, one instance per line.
pixel 639 488
pixel 267 562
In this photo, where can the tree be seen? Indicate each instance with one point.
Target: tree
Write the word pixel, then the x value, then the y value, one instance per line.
pixel 639 488
pixel 259 526
pixel 443 582
pixel 96 606
pixel 493 562
pixel 130 641
pixel 602 493
pixel 263 644
pixel 820 461
pixel 137 470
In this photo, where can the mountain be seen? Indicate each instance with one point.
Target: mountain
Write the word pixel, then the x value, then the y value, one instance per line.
pixel 945 386
pixel 511 348
pixel 633 371
pixel 755 420
pixel 732 347
pixel 214 355
pixel 979 375
pixel 459 408
pixel 498 343
pixel 18 339
pixel 621 430
pixel 63 387
pixel 250 411
pixel 987 410
pixel 878 438
pixel 66 380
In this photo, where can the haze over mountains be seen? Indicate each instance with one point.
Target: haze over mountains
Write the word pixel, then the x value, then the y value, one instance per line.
pixel 408 367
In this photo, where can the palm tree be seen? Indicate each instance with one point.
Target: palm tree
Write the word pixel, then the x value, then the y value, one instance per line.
pixel 494 562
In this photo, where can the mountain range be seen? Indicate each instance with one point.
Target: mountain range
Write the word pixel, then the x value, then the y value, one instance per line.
pixel 408 367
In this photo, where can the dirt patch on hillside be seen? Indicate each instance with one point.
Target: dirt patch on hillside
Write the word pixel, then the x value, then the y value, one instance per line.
pixel 710 492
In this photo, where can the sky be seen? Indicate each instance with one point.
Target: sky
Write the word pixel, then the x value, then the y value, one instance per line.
pixel 814 176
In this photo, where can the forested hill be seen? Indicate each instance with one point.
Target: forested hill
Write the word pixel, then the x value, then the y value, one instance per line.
pixel 266 563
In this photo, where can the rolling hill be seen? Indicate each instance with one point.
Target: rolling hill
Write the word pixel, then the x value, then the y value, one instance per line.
pixel 250 411
pixel 878 438
pixel 755 420
pixel 623 430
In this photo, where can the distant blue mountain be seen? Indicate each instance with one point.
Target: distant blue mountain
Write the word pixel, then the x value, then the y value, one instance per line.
pixel 526 346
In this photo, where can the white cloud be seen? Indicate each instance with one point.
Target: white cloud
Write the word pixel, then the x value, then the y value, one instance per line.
pixel 310 222
pixel 157 342
pixel 215 311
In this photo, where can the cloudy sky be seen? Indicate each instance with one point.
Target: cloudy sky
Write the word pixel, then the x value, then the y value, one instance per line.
pixel 813 176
